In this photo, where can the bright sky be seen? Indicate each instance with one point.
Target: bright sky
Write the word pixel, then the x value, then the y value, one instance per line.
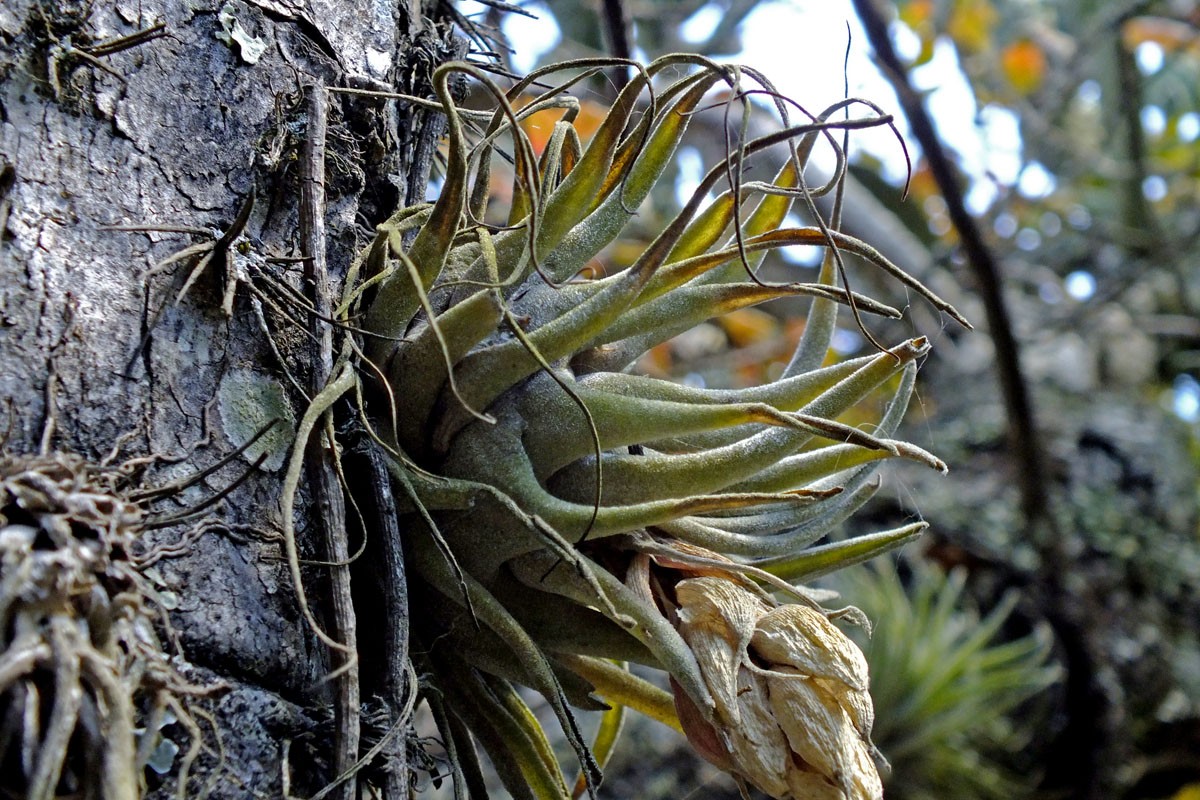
pixel 987 144
pixel 991 147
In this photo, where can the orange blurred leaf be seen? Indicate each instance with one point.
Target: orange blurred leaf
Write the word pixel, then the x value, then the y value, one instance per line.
pixel 1024 65
pixel 657 361
pixel 917 13
pixel 1172 35
pixel 922 184
pixel 747 326
pixel 538 127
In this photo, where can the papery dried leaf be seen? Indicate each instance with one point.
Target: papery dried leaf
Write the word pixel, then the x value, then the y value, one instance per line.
pixel 716 619
pixel 718 654
pixel 812 786
pixel 821 732
pixel 758 744
pixel 803 638
pixel 721 599
pixel 857 704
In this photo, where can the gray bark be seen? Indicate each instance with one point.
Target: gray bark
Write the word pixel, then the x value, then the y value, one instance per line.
pixel 177 131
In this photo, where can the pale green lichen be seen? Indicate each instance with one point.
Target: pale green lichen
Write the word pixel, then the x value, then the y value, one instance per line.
pixel 234 34
pixel 249 401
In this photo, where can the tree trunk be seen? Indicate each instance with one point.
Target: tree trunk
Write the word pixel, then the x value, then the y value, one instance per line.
pixel 206 120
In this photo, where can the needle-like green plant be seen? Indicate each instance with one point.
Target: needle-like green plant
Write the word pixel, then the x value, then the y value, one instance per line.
pixel 564 514
pixel 945 689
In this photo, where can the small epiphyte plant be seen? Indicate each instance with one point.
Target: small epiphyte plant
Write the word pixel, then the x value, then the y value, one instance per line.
pixel 562 513
pixel 946 686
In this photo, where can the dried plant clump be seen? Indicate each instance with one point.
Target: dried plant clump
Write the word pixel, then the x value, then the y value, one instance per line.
pixel 85 686
pixel 562 513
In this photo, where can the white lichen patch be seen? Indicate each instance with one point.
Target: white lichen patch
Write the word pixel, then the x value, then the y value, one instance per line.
pixel 251 48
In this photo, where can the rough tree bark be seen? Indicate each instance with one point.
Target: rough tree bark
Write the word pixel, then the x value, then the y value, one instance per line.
pixel 182 126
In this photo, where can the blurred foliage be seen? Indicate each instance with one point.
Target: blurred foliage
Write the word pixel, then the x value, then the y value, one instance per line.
pixel 1106 99
pixel 946 685
pixel 1097 230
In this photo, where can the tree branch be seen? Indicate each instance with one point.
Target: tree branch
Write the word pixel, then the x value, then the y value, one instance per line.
pixel 331 504
pixel 1023 434
pixel 616 28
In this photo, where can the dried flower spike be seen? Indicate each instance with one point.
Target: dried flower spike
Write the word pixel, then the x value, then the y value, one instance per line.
pixel 792 709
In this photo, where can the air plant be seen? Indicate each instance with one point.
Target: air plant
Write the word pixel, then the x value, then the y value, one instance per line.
pixel 945 688
pixel 564 514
